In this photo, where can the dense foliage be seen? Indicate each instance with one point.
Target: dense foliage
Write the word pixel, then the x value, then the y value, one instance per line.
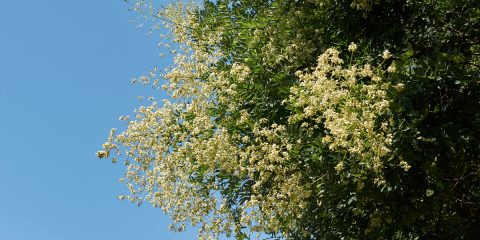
pixel 313 119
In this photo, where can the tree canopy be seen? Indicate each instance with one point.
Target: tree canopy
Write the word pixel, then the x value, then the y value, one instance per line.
pixel 312 119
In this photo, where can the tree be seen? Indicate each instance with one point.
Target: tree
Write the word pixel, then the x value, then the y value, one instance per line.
pixel 313 119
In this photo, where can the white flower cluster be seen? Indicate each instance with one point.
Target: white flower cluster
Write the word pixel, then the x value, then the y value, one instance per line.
pixel 353 105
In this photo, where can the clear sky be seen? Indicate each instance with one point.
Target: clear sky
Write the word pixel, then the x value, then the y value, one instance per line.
pixel 65 69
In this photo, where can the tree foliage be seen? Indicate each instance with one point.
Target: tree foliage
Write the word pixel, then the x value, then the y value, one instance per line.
pixel 313 119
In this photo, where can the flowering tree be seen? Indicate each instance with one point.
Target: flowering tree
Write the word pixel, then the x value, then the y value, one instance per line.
pixel 312 119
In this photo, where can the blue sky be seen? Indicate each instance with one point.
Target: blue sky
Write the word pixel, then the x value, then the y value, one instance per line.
pixel 65 69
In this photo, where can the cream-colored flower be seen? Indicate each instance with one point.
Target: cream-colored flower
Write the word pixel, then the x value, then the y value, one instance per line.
pixel 340 166
pixel 391 68
pixel 386 54
pixel 352 47
pixel 405 166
